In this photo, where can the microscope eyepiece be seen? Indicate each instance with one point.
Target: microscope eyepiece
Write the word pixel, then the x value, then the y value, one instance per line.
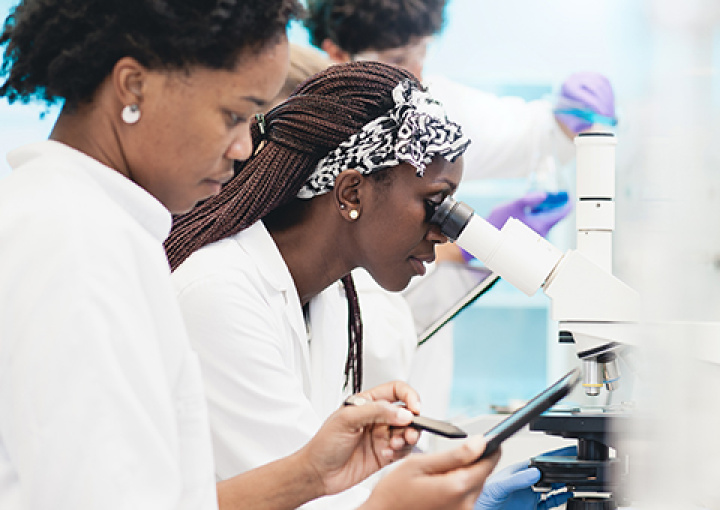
pixel 452 217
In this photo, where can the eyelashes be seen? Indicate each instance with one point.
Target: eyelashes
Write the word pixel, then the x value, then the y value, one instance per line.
pixel 430 208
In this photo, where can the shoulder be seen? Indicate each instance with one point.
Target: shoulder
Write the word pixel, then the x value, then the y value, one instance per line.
pixel 221 281
pixel 245 263
pixel 69 218
pixel 223 262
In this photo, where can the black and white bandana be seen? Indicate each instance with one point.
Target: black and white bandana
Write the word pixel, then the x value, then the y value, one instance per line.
pixel 414 131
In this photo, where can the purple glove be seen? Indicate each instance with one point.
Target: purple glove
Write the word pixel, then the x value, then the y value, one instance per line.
pixel 586 98
pixel 540 222
pixel 520 209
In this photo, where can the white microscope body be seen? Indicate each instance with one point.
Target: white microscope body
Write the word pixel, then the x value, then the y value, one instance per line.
pixel 594 309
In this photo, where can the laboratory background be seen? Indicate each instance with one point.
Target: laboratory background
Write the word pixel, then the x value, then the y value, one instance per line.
pixel 663 59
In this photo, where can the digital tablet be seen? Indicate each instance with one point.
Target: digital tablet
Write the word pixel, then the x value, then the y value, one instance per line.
pixel 506 428
pixel 444 292
pixel 538 405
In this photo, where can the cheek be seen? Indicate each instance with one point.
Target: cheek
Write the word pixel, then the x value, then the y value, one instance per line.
pixel 405 228
pixel 187 131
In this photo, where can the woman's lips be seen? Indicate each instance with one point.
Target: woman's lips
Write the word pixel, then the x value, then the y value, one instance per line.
pixel 418 266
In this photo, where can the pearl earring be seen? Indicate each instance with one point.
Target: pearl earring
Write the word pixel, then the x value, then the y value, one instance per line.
pixel 131 113
pixel 354 214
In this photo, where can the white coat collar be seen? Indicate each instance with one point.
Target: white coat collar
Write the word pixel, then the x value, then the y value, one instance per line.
pixel 141 205
pixel 260 246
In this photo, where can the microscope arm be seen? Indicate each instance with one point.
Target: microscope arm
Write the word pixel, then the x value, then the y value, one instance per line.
pixel 592 306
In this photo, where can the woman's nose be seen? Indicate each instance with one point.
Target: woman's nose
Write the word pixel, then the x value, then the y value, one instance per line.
pixel 435 235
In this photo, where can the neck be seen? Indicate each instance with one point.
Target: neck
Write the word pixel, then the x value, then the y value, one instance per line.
pixel 88 129
pixel 313 252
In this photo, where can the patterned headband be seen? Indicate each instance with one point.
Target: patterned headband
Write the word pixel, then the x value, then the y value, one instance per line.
pixel 414 131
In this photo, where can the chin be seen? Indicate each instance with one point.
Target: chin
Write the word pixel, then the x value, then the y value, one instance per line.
pixel 181 209
pixel 184 206
pixel 395 286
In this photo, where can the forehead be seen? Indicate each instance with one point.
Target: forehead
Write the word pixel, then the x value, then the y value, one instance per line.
pixel 415 47
pixel 442 170
pixel 439 172
pixel 256 77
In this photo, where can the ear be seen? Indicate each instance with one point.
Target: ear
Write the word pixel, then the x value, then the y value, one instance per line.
pixel 128 79
pixel 349 193
pixel 335 52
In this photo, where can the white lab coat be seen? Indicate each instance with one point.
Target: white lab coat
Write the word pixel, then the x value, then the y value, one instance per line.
pixel 101 403
pixel 269 388
pixel 391 352
pixel 510 138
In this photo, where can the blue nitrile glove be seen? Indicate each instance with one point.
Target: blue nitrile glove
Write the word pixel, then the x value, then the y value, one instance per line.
pixel 585 99
pixel 520 209
pixel 511 488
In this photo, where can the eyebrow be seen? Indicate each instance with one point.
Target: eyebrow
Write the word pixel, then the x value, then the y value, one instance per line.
pixel 253 99
pixel 453 186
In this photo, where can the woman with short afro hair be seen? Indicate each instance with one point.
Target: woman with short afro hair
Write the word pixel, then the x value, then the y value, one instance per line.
pixel 101 401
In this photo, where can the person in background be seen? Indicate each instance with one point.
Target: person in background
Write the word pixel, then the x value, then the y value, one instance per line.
pixel 305 61
pixel 101 400
pixel 515 134
pixel 511 138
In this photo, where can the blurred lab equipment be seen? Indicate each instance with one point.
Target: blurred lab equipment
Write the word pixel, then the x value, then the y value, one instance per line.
pixel 592 474
pixel 596 311
pixel 445 291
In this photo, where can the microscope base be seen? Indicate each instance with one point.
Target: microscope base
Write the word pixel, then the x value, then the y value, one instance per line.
pixel 591 504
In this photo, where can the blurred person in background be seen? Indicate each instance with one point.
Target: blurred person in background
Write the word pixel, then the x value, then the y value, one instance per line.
pixel 305 61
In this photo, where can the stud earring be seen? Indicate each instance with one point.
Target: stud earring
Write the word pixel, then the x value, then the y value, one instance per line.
pixel 131 113
pixel 354 214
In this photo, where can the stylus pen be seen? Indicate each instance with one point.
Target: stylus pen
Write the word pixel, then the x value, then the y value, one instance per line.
pixel 439 427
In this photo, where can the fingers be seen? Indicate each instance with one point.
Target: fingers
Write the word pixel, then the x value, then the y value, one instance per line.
pixel 459 468
pixel 521 479
pixel 450 479
pixel 554 500
pixel 398 451
pixel 396 391
pixel 411 435
pixel 512 469
pixel 533 198
pixel 371 413
pixel 464 455
pixel 406 435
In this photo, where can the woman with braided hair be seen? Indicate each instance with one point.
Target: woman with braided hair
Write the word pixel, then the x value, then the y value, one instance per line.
pixel 101 401
pixel 344 175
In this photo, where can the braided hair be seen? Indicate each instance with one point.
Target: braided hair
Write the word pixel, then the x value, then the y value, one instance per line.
pixel 64 49
pixel 322 112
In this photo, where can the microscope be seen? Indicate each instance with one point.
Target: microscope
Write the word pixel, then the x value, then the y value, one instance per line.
pixel 594 309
